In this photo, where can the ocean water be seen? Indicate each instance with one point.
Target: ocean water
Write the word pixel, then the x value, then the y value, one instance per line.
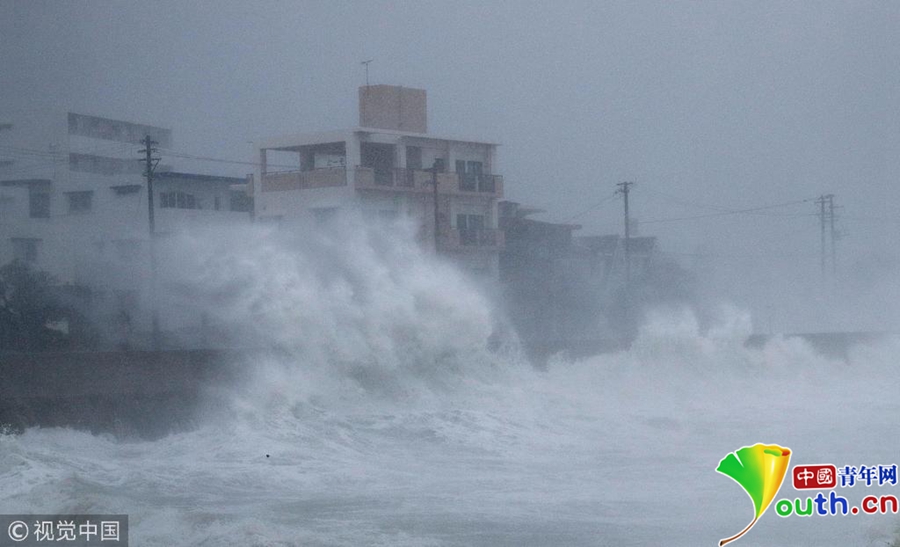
pixel 396 417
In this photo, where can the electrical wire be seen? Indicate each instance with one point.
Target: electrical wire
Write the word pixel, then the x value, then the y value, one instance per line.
pixel 727 212
pixel 591 208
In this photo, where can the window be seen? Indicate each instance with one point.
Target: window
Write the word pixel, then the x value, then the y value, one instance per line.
pixel 39 205
pixel 241 202
pixel 439 165
pixel 470 175
pixel 126 189
pixel 25 249
pixel 471 229
pixel 79 202
pixel 413 157
pixel 7 204
pixel 185 201
pixel 216 203
pixel 89 163
pixel 177 200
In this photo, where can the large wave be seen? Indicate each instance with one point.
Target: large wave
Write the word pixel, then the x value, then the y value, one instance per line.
pixel 398 411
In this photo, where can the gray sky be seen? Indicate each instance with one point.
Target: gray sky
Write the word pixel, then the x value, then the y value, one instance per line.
pixel 704 104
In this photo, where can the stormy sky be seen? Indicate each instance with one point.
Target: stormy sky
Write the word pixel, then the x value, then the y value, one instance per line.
pixel 708 106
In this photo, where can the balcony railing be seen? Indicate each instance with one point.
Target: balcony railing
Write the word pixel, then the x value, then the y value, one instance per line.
pixel 462 239
pixel 396 178
pixel 477 182
pixel 421 180
pixel 302 180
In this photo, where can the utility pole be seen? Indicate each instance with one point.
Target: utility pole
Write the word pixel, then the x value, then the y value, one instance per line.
pixel 624 188
pixel 826 217
pixel 833 236
pixel 366 64
pixel 366 91
pixel 821 203
pixel 150 165
pixel 434 184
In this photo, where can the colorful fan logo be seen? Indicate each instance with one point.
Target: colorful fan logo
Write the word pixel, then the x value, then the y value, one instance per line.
pixel 760 470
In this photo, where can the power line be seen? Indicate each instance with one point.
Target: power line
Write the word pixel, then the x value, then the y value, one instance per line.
pixel 726 213
pixel 721 208
pixel 591 208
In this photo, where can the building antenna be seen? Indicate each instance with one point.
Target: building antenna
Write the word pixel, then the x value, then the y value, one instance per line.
pixel 366 64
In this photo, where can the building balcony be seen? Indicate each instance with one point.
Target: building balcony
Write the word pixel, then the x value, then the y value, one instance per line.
pixel 420 180
pixel 472 239
pixel 304 180
pixel 481 184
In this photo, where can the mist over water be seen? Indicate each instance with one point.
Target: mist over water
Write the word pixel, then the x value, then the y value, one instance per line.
pixel 398 410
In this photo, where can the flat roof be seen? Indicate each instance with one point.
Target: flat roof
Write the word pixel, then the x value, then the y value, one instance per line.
pixel 196 176
pixel 341 135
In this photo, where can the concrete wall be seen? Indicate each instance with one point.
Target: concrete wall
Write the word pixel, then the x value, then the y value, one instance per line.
pixel 144 394
pixel 393 107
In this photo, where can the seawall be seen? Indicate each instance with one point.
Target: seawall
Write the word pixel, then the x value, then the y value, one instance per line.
pixel 148 394
pixel 128 393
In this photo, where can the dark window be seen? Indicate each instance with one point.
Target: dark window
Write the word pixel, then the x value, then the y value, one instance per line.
pixel 469 173
pixel 90 163
pixel 125 189
pixel 80 202
pixel 186 201
pixel 39 205
pixel 439 165
pixel 413 157
pixel 471 228
pixel 177 200
pixel 241 202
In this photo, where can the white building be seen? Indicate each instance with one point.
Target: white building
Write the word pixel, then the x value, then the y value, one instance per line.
pixel 73 202
pixel 383 168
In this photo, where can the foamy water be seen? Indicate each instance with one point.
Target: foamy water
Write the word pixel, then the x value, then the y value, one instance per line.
pixel 391 422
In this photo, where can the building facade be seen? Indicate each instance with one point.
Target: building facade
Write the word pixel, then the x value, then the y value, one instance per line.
pixel 73 203
pixel 388 167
